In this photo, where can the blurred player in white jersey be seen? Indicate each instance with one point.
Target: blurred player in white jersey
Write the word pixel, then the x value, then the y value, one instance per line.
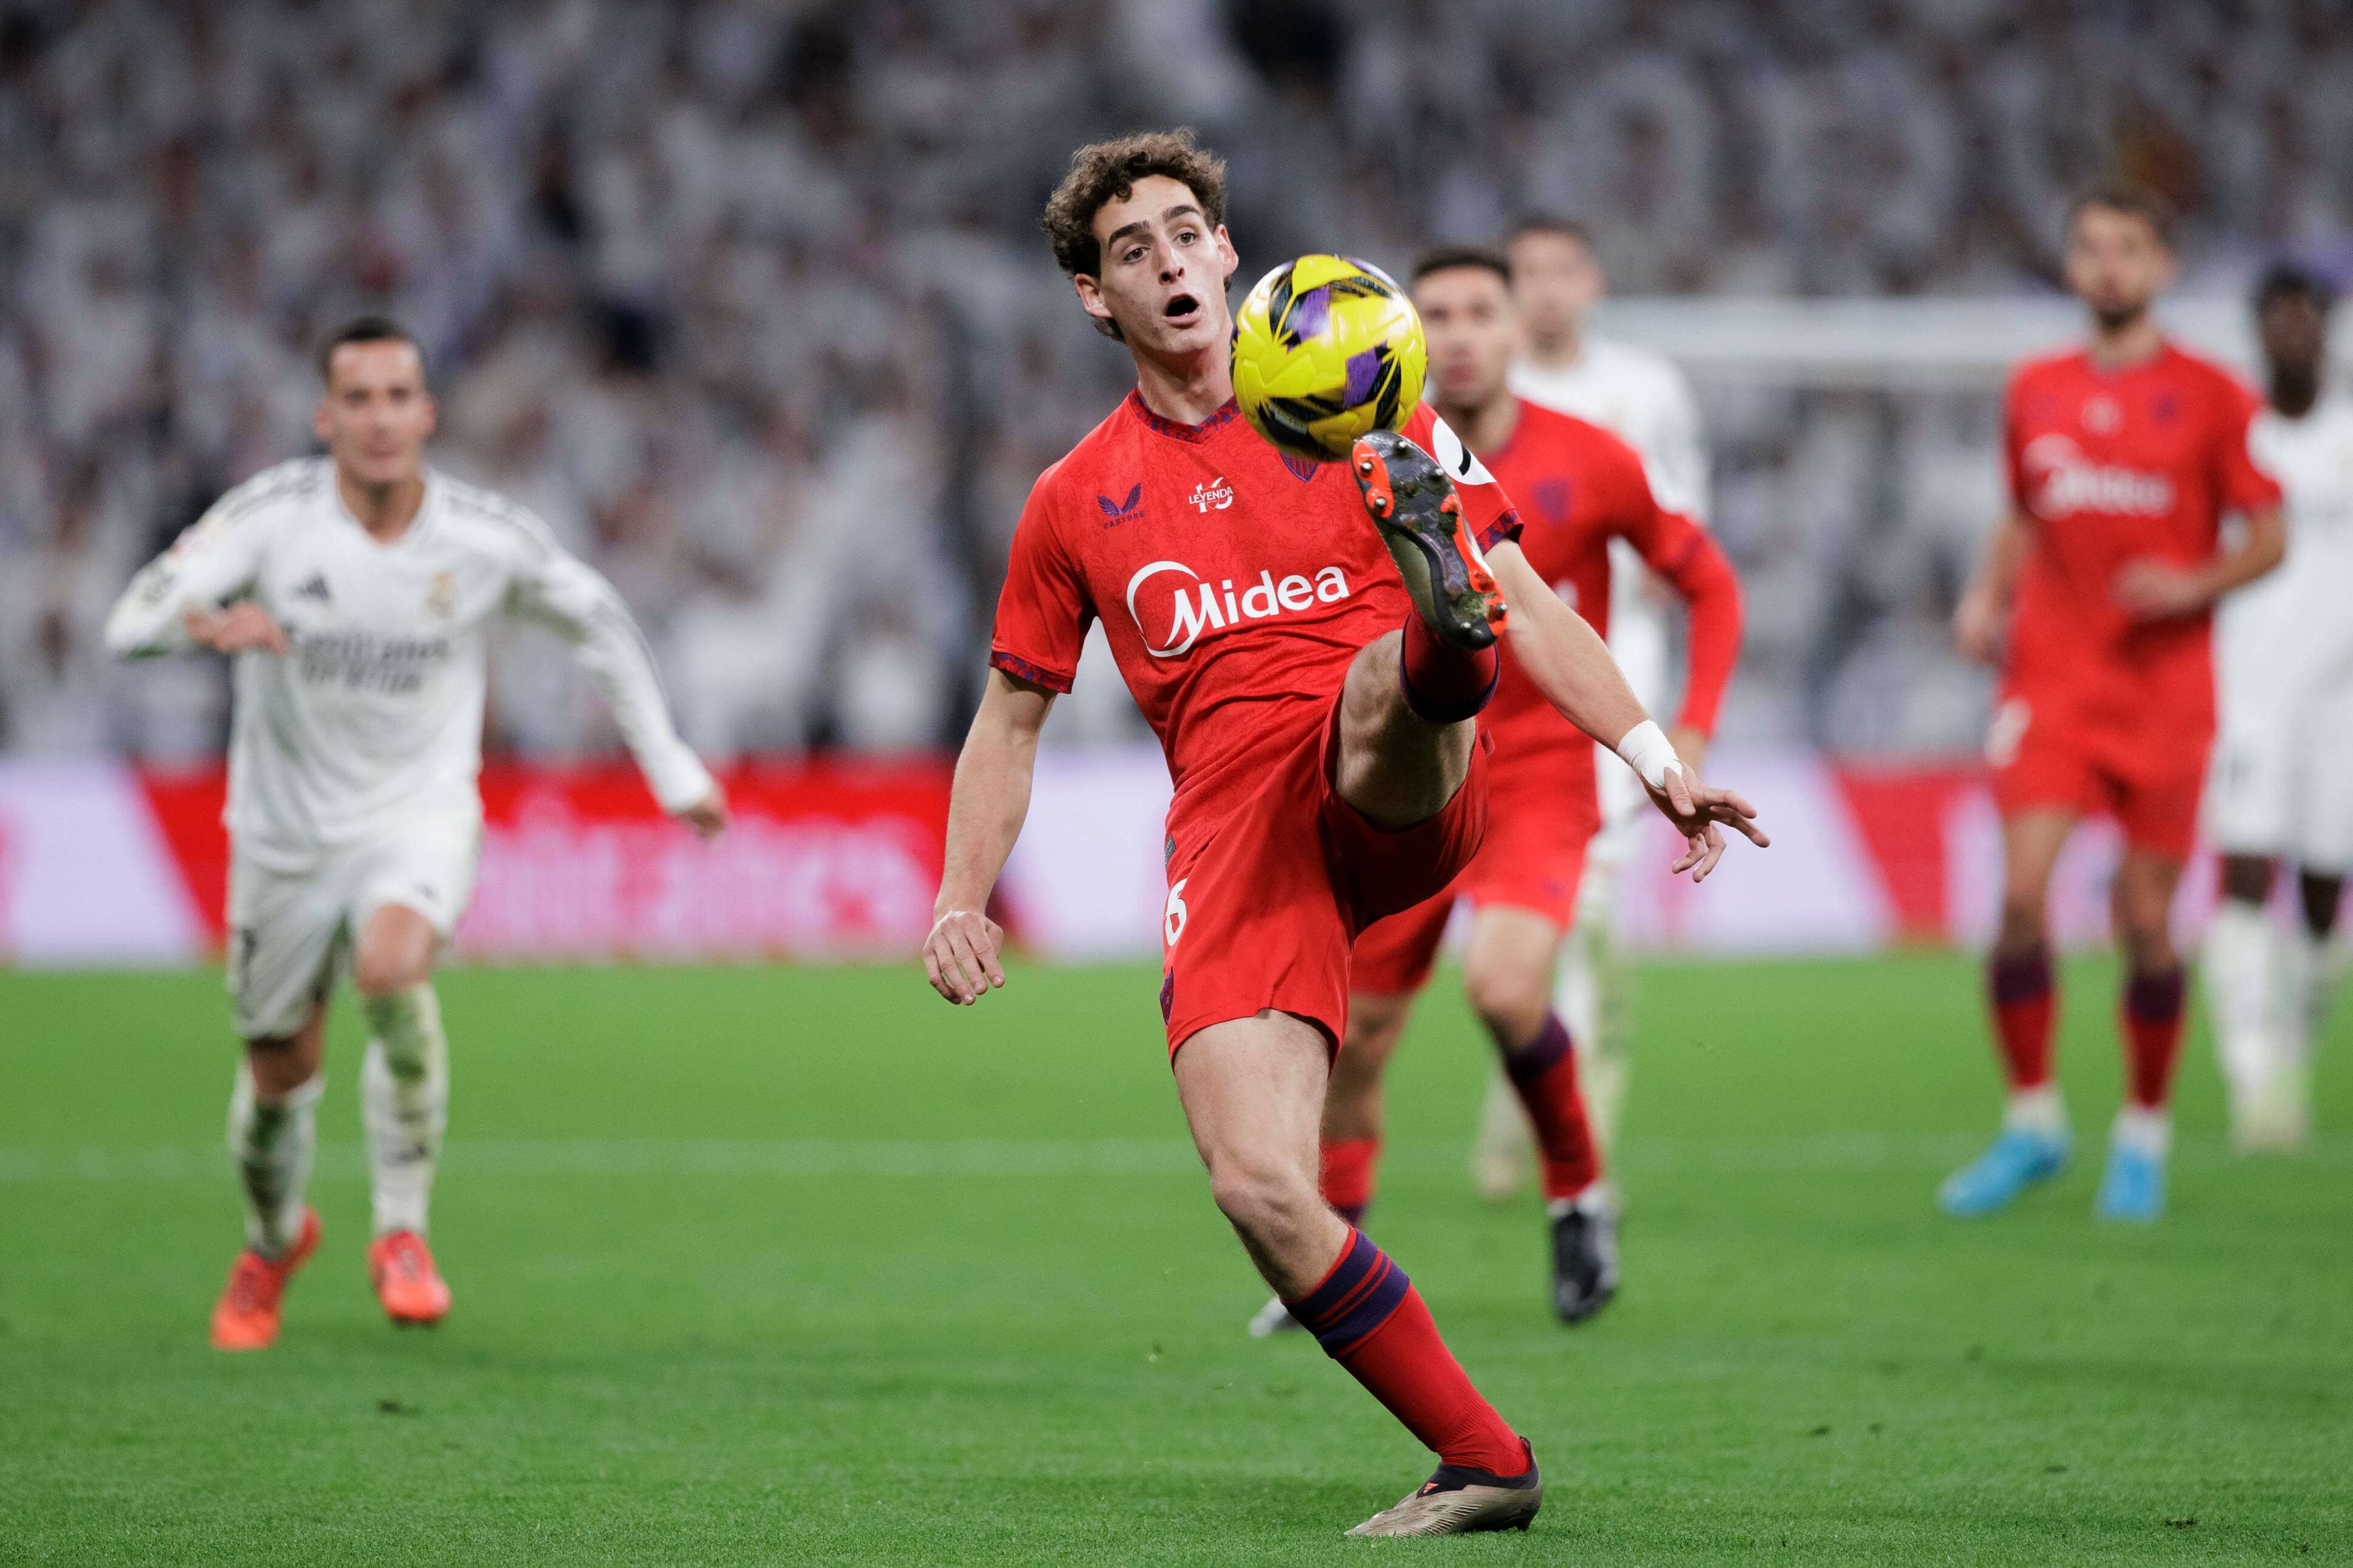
pixel 1645 401
pixel 2281 788
pixel 353 591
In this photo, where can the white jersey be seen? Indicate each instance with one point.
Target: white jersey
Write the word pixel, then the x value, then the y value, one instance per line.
pixel 374 721
pixel 2290 630
pixel 1644 400
pixel 2282 781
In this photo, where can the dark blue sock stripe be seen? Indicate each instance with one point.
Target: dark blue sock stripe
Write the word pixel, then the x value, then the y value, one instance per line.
pixel 1536 1059
pixel 1432 713
pixel 1356 1298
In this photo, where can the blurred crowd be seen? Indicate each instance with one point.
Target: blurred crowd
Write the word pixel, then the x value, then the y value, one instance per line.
pixel 746 297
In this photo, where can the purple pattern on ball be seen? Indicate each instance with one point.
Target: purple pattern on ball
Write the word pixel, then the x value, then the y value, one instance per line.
pixel 1363 371
pixel 1309 311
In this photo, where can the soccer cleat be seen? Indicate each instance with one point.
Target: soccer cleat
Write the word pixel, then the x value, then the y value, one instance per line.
pixel 2275 1115
pixel 1272 1319
pixel 1584 1262
pixel 2132 1190
pixel 247 1316
pixel 1460 1501
pixel 411 1289
pixel 1502 1156
pixel 1413 504
pixel 2018 1158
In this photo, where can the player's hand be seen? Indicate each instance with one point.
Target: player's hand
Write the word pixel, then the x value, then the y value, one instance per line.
pixel 243 627
pixel 960 956
pixel 1691 746
pixel 2153 591
pixel 707 816
pixel 1978 627
pixel 1697 810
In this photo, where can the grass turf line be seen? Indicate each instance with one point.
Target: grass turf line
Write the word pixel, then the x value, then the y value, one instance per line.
pixel 799 1266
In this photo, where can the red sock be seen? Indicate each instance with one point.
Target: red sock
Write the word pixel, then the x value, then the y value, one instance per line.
pixel 2023 998
pixel 2152 1030
pixel 1543 1072
pixel 1442 683
pixel 1369 1318
pixel 1347 1175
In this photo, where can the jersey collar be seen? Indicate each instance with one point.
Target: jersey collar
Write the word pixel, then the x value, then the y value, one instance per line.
pixel 1173 430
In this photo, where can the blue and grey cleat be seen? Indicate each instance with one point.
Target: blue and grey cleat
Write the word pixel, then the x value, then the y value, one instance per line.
pixel 2017 1159
pixel 2132 1190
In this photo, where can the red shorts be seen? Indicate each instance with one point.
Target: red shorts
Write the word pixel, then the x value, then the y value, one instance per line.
pixel 1262 913
pixel 2151 788
pixel 1539 828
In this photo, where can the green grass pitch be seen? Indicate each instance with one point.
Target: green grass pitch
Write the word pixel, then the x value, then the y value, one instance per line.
pixel 801 1267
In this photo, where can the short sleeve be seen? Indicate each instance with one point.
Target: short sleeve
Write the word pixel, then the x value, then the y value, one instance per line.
pixel 1485 507
pixel 1043 611
pixel 2012 449
pixel 2244 485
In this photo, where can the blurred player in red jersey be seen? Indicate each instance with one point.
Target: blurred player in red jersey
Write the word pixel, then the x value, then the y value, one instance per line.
pixel 2123 457
pixel 1579 487
pixel 1318 717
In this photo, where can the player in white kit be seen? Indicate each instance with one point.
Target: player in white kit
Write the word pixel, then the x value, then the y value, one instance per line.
pixel 1644 400
pixel 2281 784
pixel 353 591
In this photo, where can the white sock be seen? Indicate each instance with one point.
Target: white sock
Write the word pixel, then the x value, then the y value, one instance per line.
pixel 273 1142
pixel 2244 960
pixel 2145 1130
pixel 2306 969
pixel 405 1103
pixel 2038 1110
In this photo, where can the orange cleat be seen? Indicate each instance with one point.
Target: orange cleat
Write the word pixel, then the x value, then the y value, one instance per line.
pixel 410 1287
pixel 245 1317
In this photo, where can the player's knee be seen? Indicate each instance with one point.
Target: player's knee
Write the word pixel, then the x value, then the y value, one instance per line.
pixel 1510 1000
pixel 387 969
pixel 1262 1196
pixel 2246 878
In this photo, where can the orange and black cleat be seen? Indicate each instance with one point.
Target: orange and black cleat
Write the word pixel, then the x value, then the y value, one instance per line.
pixel 247 1316
pixel 412 1290
pixel 1413 504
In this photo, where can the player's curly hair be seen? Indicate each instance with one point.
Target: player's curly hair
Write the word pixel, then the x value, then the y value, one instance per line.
pixel 1104 172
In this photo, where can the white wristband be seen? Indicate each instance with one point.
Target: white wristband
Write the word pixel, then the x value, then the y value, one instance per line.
pixel 1650 753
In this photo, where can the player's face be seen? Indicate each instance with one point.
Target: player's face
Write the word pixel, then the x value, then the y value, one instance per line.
pixel 2117 264
pixel 376 414
pixel 1472 329
pixel 1554 282
pixel 2294 332
pixel 1164 272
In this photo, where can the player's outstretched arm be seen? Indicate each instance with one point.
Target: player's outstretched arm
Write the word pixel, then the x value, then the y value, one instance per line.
pixel 1982 617
pixel 176 600
pixel 570 599
pixel 1570 664
pixel 985 810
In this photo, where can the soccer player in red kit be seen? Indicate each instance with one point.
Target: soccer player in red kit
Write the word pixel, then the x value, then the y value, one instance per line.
pixel 1317 707
pixel 2124 457
pixel 1577 487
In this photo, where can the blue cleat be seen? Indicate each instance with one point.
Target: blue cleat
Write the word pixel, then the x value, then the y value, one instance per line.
pixel 2018 1158
pixel 2132 1190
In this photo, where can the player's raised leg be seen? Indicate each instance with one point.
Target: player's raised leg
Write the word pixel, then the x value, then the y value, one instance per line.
pixel 405 1105
pixel 1349 1158
pixel 1252 1091
pixel 1508 971
pixel 273 1136
pixel 2023 993
pixel 2150 1020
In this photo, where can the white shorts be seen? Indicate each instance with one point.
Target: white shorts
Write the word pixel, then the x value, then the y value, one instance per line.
pixel 2282 781
pixel 291 932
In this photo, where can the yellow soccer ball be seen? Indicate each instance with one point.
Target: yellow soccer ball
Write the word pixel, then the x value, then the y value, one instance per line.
pixel 1326 350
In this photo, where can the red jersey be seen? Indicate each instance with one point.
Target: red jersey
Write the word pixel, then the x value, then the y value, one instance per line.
pixel 1235 582
pixel 1579 487
pixel 2109 466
